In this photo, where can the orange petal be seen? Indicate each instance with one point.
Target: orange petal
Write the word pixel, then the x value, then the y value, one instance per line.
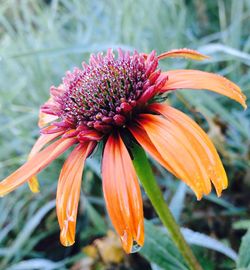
pixel 39 144
pixel 201 143
pixel 68 191
pixel 34 184
pixel 178 150
pixel 35 165
pixel 122 193
pixel 45 119
pixel 186 53
pixel 195 79
pixel 142 137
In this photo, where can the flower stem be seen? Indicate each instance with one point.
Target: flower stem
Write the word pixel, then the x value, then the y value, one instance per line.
pixel 147 179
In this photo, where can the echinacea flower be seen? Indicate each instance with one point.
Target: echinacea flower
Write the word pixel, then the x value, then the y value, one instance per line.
pixel 115 99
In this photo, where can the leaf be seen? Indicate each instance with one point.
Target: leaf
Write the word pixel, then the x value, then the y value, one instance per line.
pixel 38 264
pixel 220 201
pixel 177 202
pixel 26 232
pixel 242 224
pixel 202 240
pixel 244 254
pixel 155 267
pixel 221 48
pixel 95 218
pixel 160 250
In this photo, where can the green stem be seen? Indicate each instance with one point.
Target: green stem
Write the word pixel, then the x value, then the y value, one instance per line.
pixel 147 179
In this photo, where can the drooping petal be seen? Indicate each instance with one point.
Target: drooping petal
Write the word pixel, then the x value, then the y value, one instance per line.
pixel 142 137
pixel 122 193
pixel 197 80
pixel 68 191
pixel 186 53
pixel 178 151
pixel 201 142
pixel 35 165
pixel 39 144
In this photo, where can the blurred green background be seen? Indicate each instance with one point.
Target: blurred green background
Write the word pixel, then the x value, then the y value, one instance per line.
pixel 39 41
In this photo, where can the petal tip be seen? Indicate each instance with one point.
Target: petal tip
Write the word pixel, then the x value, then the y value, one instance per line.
pixel 34 185
pixel 198 195
pixel 67 243
pixel 4 190
pixel 184 53
pixel 242 99
pixel 3 194
pixel 244 105
pixel 140 233
pixel 65 239
pixel 218 194
pixel 127 242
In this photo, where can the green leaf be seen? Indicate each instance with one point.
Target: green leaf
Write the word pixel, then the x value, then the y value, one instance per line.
pixel 244 254
pixel 160 250
pixel 95 218
pixel 203 240
pixel 39 264
pixel 177 203
pixel 26 232
pixel 242 224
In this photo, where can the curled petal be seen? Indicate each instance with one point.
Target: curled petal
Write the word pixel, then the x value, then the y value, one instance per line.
pixel 185 53
pixel 145 55
pixel 195 79
pixel 147 95
pixel 34 165
pixel 45 119
pixel 39 144
pixel 178 150
pixel 54 129
pixel 68 191
pixel 70 133
pixel 201 143
pixel 122 193
pixel 50 107
pixel 89 135
pixel 56 91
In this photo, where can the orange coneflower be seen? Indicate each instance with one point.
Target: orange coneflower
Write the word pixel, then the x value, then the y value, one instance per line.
pixel 114 100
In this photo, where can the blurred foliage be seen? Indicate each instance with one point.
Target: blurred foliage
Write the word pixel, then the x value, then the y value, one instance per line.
pixel 40 40
pixel 244 256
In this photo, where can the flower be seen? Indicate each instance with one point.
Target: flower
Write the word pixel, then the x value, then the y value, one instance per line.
pixel 114 100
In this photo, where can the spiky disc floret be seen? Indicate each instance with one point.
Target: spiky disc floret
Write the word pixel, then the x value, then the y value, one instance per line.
pixel 107 92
